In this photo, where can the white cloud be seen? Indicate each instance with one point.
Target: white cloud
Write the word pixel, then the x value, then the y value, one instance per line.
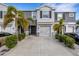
pixel 64 7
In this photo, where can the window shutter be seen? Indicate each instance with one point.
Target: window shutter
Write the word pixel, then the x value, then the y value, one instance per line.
pixel 49 14
pixel 55 16
pixel 64 16
pixel 40 14
pixel 1 14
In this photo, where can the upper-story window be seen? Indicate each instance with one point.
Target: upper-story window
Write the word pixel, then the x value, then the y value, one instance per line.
pixel 45 14
pixel 1 15
pixel 71 14
pixel 34 14
pixel 59 16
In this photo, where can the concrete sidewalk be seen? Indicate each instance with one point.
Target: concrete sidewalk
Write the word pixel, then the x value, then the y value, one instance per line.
pixel 39 46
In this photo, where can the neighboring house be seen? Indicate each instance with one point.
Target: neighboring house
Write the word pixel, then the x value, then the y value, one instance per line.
pixel 44 18
pixel 11 27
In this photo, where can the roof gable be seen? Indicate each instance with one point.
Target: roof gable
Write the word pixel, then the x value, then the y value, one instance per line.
pixel 45 6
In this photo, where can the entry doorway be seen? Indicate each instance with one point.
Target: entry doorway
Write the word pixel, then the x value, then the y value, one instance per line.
pixel 32 30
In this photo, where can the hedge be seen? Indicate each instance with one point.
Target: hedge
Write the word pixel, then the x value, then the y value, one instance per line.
pixel 11 41
pixel 68 41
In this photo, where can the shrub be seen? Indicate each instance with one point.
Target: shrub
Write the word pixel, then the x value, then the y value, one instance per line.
pixel 11 41
pixel 21 36
pixel 56 36
pixel 69 41
pixel 59 37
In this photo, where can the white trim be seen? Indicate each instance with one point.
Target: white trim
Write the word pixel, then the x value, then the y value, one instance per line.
pixel 71 15
pixel 70 23
pixel 59 16
pixel 44 5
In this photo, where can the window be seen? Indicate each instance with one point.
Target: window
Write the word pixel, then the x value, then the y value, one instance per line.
pixel 59 16
pixel 71 14
pixel 34 14
pixel 45 14
pixel 1 14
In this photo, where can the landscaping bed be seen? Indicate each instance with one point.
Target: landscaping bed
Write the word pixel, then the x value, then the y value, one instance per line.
pixel 9 42
pixel 67 40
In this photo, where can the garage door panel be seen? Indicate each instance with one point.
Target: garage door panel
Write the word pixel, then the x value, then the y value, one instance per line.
pixel 70 29
pixel 44 31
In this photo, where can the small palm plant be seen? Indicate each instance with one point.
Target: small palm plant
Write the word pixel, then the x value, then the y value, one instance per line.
pixel 58 27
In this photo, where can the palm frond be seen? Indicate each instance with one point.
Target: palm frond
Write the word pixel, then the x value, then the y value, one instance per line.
pixel 56 27
pixel 6 21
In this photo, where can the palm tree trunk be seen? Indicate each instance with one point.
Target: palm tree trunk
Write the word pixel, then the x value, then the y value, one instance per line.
pixel 16 30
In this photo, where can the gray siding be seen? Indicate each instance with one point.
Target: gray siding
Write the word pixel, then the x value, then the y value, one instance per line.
pixel 66 16
pixel 27 14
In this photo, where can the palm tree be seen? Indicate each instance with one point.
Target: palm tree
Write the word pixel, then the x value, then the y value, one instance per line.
pixel 22 23
pixel 10 16
pixel 58 27
pixel 17 16
pixel 61 23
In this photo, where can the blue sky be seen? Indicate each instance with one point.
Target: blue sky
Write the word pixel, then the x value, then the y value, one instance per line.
pixel 58 6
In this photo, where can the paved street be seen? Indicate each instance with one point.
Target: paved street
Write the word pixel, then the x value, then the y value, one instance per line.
pixel 39 46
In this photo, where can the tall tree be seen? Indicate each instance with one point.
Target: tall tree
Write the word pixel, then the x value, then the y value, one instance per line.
pixel 14 15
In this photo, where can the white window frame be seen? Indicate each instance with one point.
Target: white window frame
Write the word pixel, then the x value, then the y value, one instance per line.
pixel 59 16
pixel 71 14
pixel 46 14
pixel 34 15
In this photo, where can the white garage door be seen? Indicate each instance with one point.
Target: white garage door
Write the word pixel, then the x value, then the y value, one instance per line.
pixel 45 31
pixel 70 29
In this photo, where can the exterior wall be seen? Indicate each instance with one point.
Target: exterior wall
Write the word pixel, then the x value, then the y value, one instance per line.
pixel 66 16
pixel 69 19
pixel 3 8
pixel 27 14
pixel 10 28
pixel 34 15
pixel 45 19
pixel 70 27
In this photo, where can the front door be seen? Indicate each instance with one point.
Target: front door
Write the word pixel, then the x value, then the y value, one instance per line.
pixel 32 30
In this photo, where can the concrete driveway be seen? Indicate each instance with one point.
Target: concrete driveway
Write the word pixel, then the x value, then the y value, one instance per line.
pixel 39 46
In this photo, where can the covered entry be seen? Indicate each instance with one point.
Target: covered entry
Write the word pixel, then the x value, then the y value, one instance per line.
pixel 32 30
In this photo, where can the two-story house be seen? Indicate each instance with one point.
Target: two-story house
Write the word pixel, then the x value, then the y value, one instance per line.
pixel 44 18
